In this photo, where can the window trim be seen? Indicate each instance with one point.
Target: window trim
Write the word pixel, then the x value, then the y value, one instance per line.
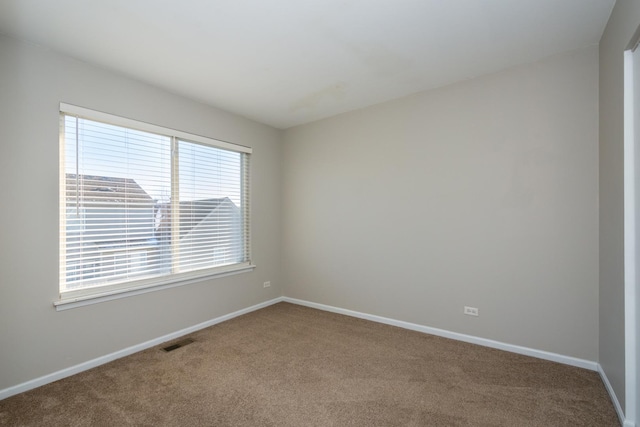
pixel 148 127
pixel 81 300
pixel 92 295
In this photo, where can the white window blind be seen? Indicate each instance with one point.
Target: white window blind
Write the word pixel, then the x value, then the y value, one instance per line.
pixel 143 206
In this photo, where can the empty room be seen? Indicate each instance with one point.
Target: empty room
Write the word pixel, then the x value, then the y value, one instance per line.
pixel 319 213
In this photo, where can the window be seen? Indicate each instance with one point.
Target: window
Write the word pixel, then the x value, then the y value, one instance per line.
pixel 145 206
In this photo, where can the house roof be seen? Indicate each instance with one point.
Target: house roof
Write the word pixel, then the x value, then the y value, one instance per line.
pixel 106 189
pixel 192 213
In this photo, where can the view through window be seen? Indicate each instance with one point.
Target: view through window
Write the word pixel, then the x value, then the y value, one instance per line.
pixel 141 205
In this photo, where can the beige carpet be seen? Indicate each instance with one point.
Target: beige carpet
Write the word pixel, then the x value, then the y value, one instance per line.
pixel 287 365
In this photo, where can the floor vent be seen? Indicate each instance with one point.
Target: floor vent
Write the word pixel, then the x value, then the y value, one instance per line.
pixel 177 345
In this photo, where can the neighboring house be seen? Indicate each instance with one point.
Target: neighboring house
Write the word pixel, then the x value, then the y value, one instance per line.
pixel 115 230
pixel 209 232
pixel 110 229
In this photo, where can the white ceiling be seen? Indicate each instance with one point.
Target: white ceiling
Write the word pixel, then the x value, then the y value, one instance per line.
pixel 288 62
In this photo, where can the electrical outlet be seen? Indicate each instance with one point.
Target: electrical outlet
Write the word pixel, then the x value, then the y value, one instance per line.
pixel 471 311
pixel 266 284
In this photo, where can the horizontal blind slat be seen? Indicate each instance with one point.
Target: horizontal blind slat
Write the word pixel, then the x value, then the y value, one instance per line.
pixel 117 205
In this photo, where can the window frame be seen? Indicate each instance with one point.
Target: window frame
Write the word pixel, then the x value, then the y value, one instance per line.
pixel 80 297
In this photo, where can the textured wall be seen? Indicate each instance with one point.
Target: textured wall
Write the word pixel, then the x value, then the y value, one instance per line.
pixel 483 193
pixel 36 339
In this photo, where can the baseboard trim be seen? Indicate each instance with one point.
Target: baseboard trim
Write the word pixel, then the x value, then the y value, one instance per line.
pixel 567 360
pixel 614 398
pixel 540 354
pixel 63 373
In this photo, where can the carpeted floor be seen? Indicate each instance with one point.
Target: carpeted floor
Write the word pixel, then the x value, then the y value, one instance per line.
pixel 288 365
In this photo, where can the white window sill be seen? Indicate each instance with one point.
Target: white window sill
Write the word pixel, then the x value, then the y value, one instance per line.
pixel 112 294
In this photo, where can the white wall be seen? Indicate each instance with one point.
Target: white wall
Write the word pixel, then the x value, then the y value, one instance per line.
pixel 37 340
pixel 622 24
pixel 483 193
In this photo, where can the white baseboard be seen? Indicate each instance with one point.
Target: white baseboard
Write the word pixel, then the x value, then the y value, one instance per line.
pixel 614 399
pixel 568 360
pixel 540 354
pixel 55 376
